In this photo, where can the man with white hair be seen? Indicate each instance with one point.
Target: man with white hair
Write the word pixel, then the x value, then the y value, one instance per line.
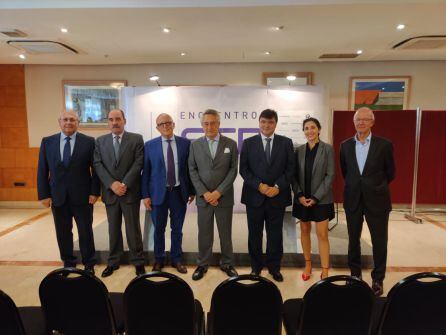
pixel 368 167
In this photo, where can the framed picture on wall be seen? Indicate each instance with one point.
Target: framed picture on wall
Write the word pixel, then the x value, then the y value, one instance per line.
pixel 92 99
pixel 379 93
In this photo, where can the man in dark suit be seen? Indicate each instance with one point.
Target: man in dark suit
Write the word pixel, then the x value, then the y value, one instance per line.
pixel 213 164
pixel 67 183
pixel 118 160
pixel 267 167
pixel 368 167
pixel 166 187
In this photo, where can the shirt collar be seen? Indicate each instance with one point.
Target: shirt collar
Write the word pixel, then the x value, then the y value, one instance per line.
pixel 164 139
pixel 367 140
pixel 264 137
pixel 63 136
pixel 120 135
pixel 216 139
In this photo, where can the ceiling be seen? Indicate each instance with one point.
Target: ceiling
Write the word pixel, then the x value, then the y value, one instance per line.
pixel 130 32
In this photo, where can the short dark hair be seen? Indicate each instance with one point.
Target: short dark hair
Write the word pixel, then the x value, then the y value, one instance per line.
pixel 312 119
pixel 269 114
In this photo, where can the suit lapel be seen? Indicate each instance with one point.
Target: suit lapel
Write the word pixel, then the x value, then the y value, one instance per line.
pixel 77 146
pixel 122 147
pixel 109 148
pixel 318 156
pixel 371 152
pixel 352 148
pixel 261 149
pixel 220 147
pixel 205 145
pixel 302 156
pixel 56 148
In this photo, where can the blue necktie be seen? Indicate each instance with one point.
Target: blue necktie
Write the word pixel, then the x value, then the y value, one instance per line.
pixel 66 152
pixel 171 180
pixel 268 150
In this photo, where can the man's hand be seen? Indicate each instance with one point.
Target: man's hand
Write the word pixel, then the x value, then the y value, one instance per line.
pixel 216 195
pixel 191 199
pixel 272 192
pixel 214 203
pixel 207 196
pixel 47 202
pixel 92 199
pixel 118 188
pixel 263 188
pixel 147 203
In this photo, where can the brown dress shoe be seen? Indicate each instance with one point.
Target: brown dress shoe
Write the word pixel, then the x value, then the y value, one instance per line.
pixel 180 267
pixel 157 266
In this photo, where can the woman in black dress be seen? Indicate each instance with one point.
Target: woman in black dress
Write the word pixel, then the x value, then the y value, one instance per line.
pixel 313 195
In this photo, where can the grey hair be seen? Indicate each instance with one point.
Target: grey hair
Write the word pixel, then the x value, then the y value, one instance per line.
pixel 70 111
pixel 210 112
pixel 364 109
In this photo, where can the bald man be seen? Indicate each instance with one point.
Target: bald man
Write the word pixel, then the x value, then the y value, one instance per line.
pixel 166 188
pixel 368 167
pixel 67 183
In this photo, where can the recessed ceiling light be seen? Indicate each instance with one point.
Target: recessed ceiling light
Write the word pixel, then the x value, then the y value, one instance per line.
pixel 291 77
pixel 22 56
pixel 154 77
pixel 64 30
pixel 278 28
pixel 166 30
pixel 267 53
pixel 359 51
pixel 183 54
pixel 400 26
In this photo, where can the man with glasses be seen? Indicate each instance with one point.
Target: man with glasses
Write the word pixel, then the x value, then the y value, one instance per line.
pixel 213 167
pixel 67 183
pixel 166 187
pixel 118 160
pixel 368 167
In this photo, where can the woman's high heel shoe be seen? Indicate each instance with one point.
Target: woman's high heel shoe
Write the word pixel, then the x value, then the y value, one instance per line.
pixel 305 276
pixel 322 273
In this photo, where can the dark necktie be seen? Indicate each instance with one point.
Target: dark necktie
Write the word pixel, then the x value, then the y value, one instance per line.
pixel 268 150
pixel 66 152
pixel 171 181
pixel 116 146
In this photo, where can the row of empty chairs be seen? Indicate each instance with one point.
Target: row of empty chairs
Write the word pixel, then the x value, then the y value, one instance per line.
pixel 74 302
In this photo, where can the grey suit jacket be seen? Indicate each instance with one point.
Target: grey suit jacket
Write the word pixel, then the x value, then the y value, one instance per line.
pixel 322 176
pixel 209 174
pixel 126 169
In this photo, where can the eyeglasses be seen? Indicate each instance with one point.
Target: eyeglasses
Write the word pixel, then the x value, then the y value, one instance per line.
pixel 164 124
pixel 362 120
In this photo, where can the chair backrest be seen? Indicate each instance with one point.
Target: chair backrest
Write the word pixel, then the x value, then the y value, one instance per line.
pixel 10 321
pixel 76 302
pixel 159 303
pixel 416 305
pixel 337 305
pixel 246 305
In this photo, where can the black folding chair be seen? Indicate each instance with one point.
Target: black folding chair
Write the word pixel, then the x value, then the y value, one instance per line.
pixel 415 306
pixel 335 305
pixel 19 321
pixel 246 305
pixel 76 303
pixel 161 303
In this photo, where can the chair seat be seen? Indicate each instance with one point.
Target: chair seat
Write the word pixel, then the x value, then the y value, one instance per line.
pixel 33 320
pixel 292 309
pixel 199 317
pixel 377 312
pixel 117 302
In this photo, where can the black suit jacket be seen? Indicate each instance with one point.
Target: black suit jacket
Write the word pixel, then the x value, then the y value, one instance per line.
pixel 78 180
pixel 372 187
pixel 255 170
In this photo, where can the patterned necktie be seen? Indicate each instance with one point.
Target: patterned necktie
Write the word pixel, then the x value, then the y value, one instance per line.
pixel 268 150
pixel 211 148
pixel 116 146
pixel 66 152
pixel 171 180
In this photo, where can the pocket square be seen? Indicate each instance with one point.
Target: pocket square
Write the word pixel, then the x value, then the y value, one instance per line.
pixel 227 151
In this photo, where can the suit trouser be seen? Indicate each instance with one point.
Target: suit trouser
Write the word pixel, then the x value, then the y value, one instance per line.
pixel 63 220
pixel 272 218
pixel 378 226
pixel 174 204
pixel 223 216
pixel 132 230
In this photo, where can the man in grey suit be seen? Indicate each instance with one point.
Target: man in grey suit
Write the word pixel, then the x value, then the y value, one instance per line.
pixel 118 160
pixel 213 161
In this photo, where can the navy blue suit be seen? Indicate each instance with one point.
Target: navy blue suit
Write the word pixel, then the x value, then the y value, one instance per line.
pixel 260 209
pixel 164 199
pixel 69 188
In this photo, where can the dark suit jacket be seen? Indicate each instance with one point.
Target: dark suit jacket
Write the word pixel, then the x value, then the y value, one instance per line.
pixel 255 170
pixel 56 181
pixel 154 174
pixel 372 187
pixel 126 169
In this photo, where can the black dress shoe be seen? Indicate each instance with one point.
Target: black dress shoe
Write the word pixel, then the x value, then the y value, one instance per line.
pixel 199 272
pixel 157 266
pixel 229 270
pixel 108 271
pixel 377 287
pixel 89 269
pixel 277 276
pixel 255 273
pixel 140 270
pixel 181 268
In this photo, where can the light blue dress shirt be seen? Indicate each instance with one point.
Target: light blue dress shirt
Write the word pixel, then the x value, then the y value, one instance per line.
pixel 362 150
pixel 214 144
pixel 62 143
pixel 175 156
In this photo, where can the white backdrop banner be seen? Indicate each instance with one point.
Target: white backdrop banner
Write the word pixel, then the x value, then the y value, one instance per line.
pixel 239 107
